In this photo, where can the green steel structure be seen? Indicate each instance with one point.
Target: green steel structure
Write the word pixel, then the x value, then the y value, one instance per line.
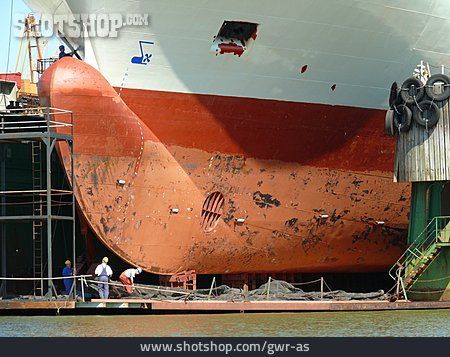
pixel 423 271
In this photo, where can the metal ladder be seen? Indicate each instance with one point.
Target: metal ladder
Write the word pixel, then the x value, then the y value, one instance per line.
pixel 420 254
pixel 36 147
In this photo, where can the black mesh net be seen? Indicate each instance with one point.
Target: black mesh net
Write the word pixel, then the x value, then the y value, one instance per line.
pixel 273 290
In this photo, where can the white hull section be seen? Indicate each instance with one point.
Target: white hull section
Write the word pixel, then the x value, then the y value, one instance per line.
pixel 358 46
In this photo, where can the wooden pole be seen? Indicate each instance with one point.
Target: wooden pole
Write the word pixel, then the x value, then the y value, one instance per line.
pixel 212 286
pixel 82 288
pixel 321 288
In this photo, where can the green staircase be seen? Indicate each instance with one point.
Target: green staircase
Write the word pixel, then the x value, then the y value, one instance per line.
pixel 418 257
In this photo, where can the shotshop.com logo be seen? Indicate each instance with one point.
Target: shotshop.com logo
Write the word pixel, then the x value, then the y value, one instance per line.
pixel 79 25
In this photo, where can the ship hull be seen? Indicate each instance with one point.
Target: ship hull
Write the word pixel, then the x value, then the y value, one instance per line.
pixel 289 131
pixel 282 211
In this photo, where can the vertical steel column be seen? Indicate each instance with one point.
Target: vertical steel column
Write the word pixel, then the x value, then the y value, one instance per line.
pixel 418 210
pixel 48 149
pixel 71 148
pixel 3 213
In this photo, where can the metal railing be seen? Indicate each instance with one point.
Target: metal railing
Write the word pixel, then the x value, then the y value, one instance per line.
pixel 437 230
pixel 71 295
pixel 44 63
pixel 23 202
pixel 39 119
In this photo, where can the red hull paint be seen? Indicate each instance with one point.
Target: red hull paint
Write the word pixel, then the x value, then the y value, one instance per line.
pixel 183 148
pixel 334 137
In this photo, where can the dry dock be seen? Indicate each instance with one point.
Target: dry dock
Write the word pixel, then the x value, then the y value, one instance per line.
pixel 181 306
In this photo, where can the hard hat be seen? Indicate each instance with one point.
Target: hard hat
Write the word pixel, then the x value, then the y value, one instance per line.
pixel 67 262
pixel 139 270
pixel 61 47
pixel 105 259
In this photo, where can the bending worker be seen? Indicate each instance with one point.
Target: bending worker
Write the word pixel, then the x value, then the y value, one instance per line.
pixel 127 278
pixel 104 272
pixel 68 271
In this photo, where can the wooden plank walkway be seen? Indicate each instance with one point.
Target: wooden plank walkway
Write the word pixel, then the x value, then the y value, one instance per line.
pixel 269 306
pixel 36 304
pixel 180 306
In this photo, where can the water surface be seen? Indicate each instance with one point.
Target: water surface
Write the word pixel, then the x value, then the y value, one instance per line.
pixel 381 323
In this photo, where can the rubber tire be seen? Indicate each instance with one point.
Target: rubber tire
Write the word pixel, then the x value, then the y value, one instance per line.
pixel 435 116
pixel 405 116
pixel 429 87
pixel 404 92
pixel 394 94
pixel 389 123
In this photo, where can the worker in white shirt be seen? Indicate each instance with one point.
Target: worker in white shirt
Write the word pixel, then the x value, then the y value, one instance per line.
pixel 103 272
pixel 127 278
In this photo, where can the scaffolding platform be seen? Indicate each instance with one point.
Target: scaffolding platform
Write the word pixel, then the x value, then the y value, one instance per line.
pixel 44 128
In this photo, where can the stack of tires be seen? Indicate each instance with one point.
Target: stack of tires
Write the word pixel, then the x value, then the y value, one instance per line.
pixel 415 101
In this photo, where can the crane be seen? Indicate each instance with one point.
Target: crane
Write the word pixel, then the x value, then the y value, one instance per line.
pixel 31 36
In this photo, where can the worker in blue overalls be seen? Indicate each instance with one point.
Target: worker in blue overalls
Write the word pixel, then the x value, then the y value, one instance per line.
pixel 68 271
pixel 62 52
pixel 103 272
